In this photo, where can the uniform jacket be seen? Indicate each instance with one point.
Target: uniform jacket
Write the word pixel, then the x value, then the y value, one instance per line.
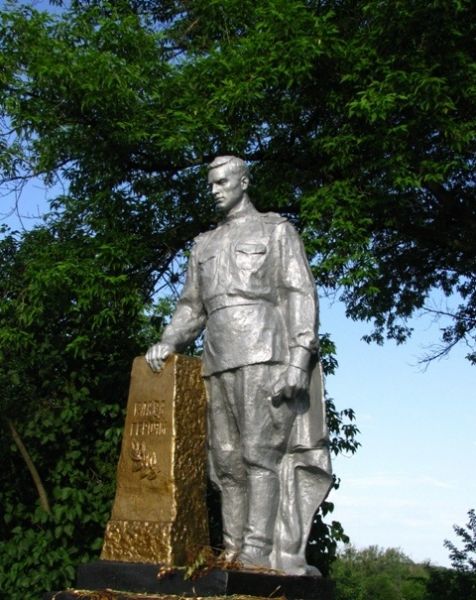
pixel 249 285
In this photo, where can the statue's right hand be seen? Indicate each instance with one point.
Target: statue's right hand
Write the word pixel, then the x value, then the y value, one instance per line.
pixel 157 354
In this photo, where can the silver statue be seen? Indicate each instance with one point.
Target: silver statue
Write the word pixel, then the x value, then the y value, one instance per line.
pixel 249 286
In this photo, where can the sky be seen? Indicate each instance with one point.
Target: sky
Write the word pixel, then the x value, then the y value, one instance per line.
pixel 413 477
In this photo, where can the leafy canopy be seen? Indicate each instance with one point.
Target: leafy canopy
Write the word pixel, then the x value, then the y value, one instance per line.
pixel 359 123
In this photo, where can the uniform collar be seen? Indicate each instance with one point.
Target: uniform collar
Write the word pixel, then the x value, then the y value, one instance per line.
pixel 247 212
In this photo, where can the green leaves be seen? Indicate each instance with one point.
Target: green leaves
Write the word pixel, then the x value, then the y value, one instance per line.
pixel 71 324
pixel 378 574
pixel 464 559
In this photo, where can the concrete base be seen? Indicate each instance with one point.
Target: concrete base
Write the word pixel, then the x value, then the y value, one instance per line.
pixel 142 579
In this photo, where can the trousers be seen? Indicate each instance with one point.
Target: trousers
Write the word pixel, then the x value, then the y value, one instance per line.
pixel 247 437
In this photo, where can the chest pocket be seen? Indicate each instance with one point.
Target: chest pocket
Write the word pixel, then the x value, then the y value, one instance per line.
pixel 249 256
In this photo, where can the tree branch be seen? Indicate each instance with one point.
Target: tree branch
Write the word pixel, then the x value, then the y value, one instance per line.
pixel 31 467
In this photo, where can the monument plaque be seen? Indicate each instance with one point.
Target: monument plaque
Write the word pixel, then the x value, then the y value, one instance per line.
pixel 159 513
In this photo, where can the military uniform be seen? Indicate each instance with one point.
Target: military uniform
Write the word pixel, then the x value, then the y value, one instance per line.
pixel 249 285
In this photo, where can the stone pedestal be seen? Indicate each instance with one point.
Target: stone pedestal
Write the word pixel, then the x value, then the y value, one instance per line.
pixel 159 513
pixel 214 584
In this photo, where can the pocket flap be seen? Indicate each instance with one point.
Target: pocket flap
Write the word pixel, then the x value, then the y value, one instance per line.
pixel 251 248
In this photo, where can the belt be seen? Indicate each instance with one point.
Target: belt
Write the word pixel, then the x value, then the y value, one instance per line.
pixel 219 302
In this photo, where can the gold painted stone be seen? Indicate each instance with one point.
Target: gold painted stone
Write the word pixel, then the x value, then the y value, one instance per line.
pixel 159 513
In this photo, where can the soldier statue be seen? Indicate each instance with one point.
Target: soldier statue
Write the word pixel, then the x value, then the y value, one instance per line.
pixel 250 288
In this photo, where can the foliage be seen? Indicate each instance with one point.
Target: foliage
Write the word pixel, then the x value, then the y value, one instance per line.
pixel 324 537
pixel 70 322
pixel 358 121
pixel 448 584
pixel 390 575
pixel 378 574
pixel 464 559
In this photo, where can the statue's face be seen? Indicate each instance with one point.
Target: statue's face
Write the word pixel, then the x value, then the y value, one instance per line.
pixel 227 187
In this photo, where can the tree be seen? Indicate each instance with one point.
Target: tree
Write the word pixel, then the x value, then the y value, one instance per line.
pixel 449 584
pixel 71 320
pixel 378 574
pixel 459 582
pixel 358 121
pixel 464 559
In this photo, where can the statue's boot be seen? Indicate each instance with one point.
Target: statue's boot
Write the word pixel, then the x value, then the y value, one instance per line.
pixel 234 508
pixel 263 499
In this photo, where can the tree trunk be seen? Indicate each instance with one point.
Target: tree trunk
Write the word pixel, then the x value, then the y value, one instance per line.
pixel 31 467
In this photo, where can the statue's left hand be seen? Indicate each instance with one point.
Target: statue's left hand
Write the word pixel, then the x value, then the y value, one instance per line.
pixel 294 382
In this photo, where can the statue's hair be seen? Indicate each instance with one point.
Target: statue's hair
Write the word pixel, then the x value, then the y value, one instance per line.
pixel 234 164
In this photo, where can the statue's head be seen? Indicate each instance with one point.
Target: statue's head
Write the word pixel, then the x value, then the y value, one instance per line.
pixel 231 163
pixel 229 179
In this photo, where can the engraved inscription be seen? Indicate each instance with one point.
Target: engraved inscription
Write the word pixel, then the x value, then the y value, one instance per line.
pixel 146 428
pixel 150 418
pixel 149 409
